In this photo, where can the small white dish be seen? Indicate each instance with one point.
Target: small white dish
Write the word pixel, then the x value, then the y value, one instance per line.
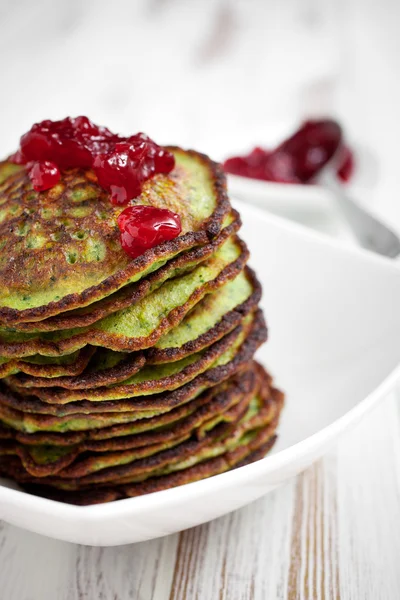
pixel 334 321
pixel 304 202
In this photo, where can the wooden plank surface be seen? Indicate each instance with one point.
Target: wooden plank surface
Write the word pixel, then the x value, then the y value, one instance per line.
pixel 333 533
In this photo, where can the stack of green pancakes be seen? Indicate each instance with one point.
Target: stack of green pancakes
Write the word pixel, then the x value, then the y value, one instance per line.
pixel 122 376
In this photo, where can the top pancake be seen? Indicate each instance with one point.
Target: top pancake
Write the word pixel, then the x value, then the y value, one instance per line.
pixel 60 249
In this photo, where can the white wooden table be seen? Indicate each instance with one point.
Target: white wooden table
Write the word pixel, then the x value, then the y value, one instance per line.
pixel 216 75
pixel 332 533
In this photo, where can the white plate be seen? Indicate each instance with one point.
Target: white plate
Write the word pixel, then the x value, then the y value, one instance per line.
pixel 334 321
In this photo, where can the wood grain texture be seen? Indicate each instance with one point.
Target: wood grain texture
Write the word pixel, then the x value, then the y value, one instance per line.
pixel 368 499
pixel 333 533
pixel 36 568
pixel 248 552
pixel 313 570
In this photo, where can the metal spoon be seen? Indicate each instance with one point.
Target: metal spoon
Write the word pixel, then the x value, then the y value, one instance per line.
pixel 371 233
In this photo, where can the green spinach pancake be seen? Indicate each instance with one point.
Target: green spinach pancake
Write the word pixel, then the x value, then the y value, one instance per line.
pixel 129 319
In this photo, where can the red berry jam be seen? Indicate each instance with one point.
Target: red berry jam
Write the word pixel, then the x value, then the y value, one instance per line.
pixel 345 172
pixel 128 164
pixel 299 158
pixel 69 143
pixel 122 166
pixel 143 227
pixel 44 175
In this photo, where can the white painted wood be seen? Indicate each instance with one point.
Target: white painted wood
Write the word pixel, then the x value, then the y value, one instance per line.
pixel 243 555
pixel 33 567
pixel 368 499
pixel 225 72
pixel 332 533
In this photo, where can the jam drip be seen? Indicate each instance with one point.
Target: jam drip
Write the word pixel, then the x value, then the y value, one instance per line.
pixel 122 166
pixel 299 158
pixel 143 227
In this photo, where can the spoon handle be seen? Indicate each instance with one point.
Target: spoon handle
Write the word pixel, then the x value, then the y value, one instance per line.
pixel 371 233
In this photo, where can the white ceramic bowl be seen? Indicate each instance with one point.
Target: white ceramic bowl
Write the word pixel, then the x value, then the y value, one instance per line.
pixel 334 320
